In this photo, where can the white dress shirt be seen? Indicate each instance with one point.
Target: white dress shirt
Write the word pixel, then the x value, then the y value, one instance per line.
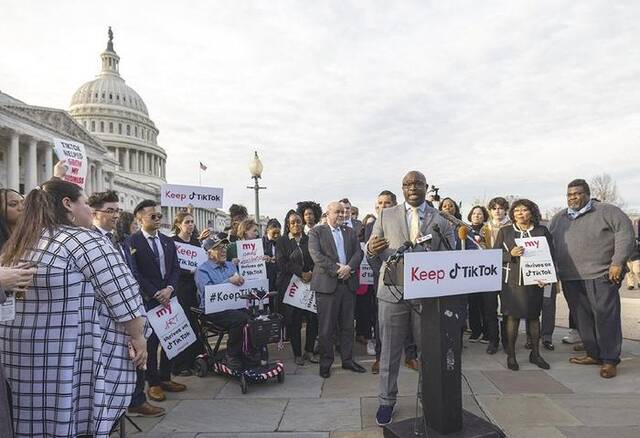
pixel 336 233
pixel 147 236
pixel 421 213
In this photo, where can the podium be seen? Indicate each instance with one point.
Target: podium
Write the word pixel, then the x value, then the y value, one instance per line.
pixel 441 344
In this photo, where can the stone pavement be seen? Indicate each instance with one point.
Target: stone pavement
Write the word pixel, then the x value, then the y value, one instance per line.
pixel 565 401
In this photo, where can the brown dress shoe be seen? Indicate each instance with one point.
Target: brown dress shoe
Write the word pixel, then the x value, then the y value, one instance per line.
pixel 156 393
pixel 413 364
pixel 578 346
pixel 145 410
pixel 375 368
pixel 585 360
pixel 171 386
pixel 608 370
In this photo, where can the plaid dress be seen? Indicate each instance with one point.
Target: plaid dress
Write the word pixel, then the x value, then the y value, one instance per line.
pixel 65 354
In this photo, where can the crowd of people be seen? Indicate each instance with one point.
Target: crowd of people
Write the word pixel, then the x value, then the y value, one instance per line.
pixel 80 275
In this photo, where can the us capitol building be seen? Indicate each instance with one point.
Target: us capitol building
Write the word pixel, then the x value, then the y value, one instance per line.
pixel 112 121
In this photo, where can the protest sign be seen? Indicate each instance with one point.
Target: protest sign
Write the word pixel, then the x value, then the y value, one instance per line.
pixel 8 308
pixel 190 256
pixel 75 157
pixel 442 273
pixel 226 296
pixel 299 294
pixel 251 256
pixel 173 195
pixel 536 263
pixel 366 273
pixel 172 327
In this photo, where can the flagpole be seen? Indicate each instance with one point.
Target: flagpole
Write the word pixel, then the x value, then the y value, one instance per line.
pixel 199 175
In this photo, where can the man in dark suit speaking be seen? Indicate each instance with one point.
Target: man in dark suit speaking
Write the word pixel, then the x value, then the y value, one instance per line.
pixel 336 254
pixel 154 263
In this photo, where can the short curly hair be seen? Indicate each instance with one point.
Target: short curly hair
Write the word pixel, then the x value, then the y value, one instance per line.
pixel 536 217
pixel 457 212
pixel 309 205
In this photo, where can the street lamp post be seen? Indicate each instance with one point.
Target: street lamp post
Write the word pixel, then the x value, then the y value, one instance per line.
pixel 255 168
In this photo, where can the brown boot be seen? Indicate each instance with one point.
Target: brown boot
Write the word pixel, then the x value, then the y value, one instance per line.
pixel 375 368
pixel 156 393
pixel 145 410
pixel 585 360
pixel 608 371
pixel 171 386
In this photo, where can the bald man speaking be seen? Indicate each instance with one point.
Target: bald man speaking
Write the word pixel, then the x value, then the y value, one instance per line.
pixel 336 255
pixel 406 222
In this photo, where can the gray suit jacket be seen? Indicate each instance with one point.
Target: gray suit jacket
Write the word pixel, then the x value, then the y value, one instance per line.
pixel 392 225
pixel 322 249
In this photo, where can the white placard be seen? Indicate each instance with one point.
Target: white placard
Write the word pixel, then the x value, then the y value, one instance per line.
pixel 366 273
pixel 75 158
pixel 441 273
pixel 190 256
pixel 251 256
pixel 536 262
pixel 174 195
pixel 8 308
pixel 172 327
pixel 299 294
pixel 226 296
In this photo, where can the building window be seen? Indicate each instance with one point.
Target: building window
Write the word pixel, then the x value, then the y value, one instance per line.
pixel 93 126
pixel 109 62
pixel 84 124
pixel 128 129
pixel 110 96
pixel 96 95
pixel 111 127
pixel 101 126
pixel 103 95
pixel 117 97
pixel 120 128
pixel 135 129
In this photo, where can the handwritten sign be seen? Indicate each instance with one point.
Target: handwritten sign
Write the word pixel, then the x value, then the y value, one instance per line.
pixel 442 273
pixel 299 294
pixel 251 256
pixel 75 157
pixel 8 308
pixel 173 195
pixel 366 273
pixel 536 263
pixel 226 296
pixel 190 256
pixel 172 327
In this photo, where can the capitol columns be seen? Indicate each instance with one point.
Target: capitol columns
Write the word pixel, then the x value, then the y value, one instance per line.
pixel 99 177
pixel 13 162
pixel 126 160
pixel 47 155
pixel 31 166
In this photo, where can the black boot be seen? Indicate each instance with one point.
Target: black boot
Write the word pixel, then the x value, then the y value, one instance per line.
pixel 536 359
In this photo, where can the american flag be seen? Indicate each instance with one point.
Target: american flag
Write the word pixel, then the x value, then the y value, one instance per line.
pixel 202 166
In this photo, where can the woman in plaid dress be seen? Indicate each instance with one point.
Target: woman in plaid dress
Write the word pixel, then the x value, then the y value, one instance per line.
pixel 69 375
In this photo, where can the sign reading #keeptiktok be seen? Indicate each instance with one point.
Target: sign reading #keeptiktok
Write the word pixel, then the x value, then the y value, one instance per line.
pixel 173 195
pixel 442 273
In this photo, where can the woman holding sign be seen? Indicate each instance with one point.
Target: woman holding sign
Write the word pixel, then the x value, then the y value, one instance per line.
pixel 295 264
pixel 187 293
pixel 520 300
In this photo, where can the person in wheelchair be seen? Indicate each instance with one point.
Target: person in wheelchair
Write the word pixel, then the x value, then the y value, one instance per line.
pixel 217 270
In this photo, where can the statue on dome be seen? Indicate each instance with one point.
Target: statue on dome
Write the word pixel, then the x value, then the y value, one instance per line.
pixel 110 43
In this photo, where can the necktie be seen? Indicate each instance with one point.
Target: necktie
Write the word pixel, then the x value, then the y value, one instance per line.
pixel 111 239
pixel 156 251
pixel 414 229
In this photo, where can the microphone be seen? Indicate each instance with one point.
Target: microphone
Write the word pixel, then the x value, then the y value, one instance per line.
pixel 400 251
pixel 462 235
pixel 462 224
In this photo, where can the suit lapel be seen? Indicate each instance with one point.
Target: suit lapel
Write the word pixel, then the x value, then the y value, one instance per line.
pixel 347 248
pixel 428 218
pixel 332 243
pixel 144 246
pixel 403 219
pixel 165 247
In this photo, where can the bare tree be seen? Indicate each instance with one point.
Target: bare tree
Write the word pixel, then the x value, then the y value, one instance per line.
pixel 551 212
pixel 604 188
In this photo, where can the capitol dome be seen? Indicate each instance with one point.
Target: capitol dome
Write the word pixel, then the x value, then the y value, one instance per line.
pixel 115 113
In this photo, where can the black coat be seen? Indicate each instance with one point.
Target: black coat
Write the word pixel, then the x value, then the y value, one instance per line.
pixel 291 258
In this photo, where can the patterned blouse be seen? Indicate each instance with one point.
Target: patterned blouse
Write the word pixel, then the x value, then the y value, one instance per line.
pixel 65 354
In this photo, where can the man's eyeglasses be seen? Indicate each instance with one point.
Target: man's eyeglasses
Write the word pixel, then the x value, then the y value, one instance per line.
pixel 413 185
pixel 155 216
pixel 111 211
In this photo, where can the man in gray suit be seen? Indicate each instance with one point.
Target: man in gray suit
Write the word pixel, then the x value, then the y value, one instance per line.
pixel 395 226
pixel 336 255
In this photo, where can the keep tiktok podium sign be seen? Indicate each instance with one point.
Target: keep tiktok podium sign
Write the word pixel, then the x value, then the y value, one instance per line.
pixel 442 273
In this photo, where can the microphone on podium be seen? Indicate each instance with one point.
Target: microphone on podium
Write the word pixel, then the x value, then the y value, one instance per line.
pixel 400 251
pixel 462 235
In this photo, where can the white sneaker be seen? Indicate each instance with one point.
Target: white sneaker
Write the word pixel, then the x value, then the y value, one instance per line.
pixel 371 347
pixel 572 338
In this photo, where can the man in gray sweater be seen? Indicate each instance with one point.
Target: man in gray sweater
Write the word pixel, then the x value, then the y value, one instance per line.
pixel 593 241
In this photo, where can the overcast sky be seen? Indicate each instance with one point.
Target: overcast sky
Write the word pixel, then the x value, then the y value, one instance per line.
pixel 343 98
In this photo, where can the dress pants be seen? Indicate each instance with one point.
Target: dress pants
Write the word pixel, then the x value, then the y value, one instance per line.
pixel 396 321
pixel 138 398
pixel 295 330
pixel 490 316
pixel 476 315
pixel 156 374
pixel 549 314
pixel 335 313
pixel 234 321
pixel 596 310
pixel 364 317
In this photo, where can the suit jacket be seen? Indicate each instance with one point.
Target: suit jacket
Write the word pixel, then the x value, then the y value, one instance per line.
pixel 392 225
pixel 147 271
pixel 325 258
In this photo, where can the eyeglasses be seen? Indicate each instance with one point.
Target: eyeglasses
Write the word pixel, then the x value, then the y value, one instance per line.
pixel 155 216
pixel 111 211
pixel 413 185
